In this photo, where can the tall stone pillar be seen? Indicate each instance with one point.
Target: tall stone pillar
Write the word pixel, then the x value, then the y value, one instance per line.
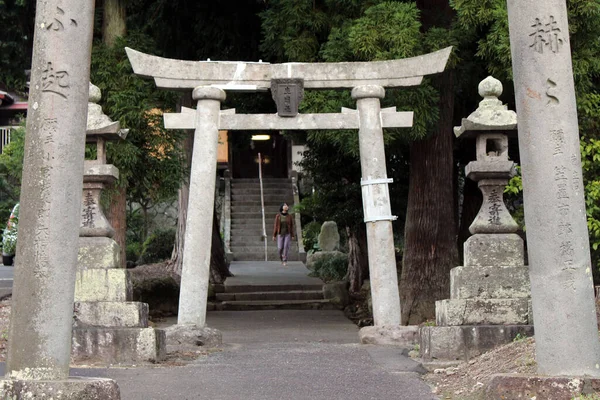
pixel 46 260
pixel 198 235
pixel 562 292
pixel 376 207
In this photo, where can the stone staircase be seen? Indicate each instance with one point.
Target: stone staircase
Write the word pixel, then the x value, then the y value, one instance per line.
pixel 246 218
pixel 273 297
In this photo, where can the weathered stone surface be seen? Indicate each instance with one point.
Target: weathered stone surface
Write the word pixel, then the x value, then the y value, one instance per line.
pixel 312 258
pixel 376 207
pixel 190 336
pixel 73 388
pixel 170 73
pixel 118 345
pixel 517 387
pixel 401 336
pixel 494 250
pixel 336 121
pixel 482 312
pixel 196 259
pixel 466 342
pixel 489 282
pixel 49 216
pixel 329 238
pixel 110 314
pixel 98 253
pixel 337 292
pixel 557 237
pixel 491 113
pixel 103 285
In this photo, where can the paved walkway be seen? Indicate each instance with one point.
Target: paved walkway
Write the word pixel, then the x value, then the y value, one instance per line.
pixel 278 355
pixel 275 355
pixel 269 273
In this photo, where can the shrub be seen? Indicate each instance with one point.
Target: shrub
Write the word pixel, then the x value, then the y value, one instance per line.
pixel 133 251
pixel 310 235
pixel 158 246
pixel 9 236
pixel 332 268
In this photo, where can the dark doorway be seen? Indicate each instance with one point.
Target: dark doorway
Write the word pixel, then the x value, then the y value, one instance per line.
pixel 244 155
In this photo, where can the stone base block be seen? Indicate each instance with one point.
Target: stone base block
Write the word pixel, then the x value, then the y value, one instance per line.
pixel 482 312
pixel 466 342
pixel 110 314
pixel 182 337
pixel 74 388
pixel 400 336
pixel 489 282
pixel 494 249
pixel 337 293
pixel 118 345
pixel 103 285
pixel 98 253
pixel 512 386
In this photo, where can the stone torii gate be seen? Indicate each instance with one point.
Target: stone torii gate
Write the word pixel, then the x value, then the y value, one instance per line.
pixel 209 80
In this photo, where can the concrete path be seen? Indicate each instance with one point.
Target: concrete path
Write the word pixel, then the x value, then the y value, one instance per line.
pixel 6 281
pixel 277 355
pixel 274 355
pixel 258 273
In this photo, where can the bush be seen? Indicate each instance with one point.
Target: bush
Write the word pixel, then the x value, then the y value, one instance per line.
pixel 9 236
pixel 133 251
pixel 310 235
pixel 332 268
pixel 158 246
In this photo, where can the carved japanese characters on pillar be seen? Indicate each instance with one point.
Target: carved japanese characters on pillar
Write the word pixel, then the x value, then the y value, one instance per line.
pixel 546 35
pixel 287 93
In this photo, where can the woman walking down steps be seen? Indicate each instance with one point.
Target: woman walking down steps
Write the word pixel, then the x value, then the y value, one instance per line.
pixel 283 230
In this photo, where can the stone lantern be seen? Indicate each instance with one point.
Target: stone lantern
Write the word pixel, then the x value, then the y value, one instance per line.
pixel 489 301
pixel 108 327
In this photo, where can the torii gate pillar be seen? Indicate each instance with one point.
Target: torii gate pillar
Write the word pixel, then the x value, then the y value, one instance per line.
pixel 376 207
pixel 196 258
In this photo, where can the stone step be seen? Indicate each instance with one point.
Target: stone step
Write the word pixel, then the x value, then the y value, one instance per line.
pixel 245 232
pixel 253 240
pixel 242 203
pixel 256 180
pixel 260 256
pixel 276 305
pixel 252 215
pixel 273 288
pixel 289 199
pixel 272 295
pixel 256 189
pixel 270 210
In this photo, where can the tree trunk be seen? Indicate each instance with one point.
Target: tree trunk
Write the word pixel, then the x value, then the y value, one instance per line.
pixel 219 270
pixel 358 262
pixel 113 23
pixel 430 231
pixel 114 26
pixel 176 263
pixel 117 218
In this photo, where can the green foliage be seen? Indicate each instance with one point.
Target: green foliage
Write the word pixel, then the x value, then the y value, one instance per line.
pixel 16 38
pixel 330 269
pixel 133 251
pixel 310 235
pixel 11 170
pixel 346 30
pixel 9 235
pixel 11 164
pixel 488 19
pixel 150 161
pixel 158 246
